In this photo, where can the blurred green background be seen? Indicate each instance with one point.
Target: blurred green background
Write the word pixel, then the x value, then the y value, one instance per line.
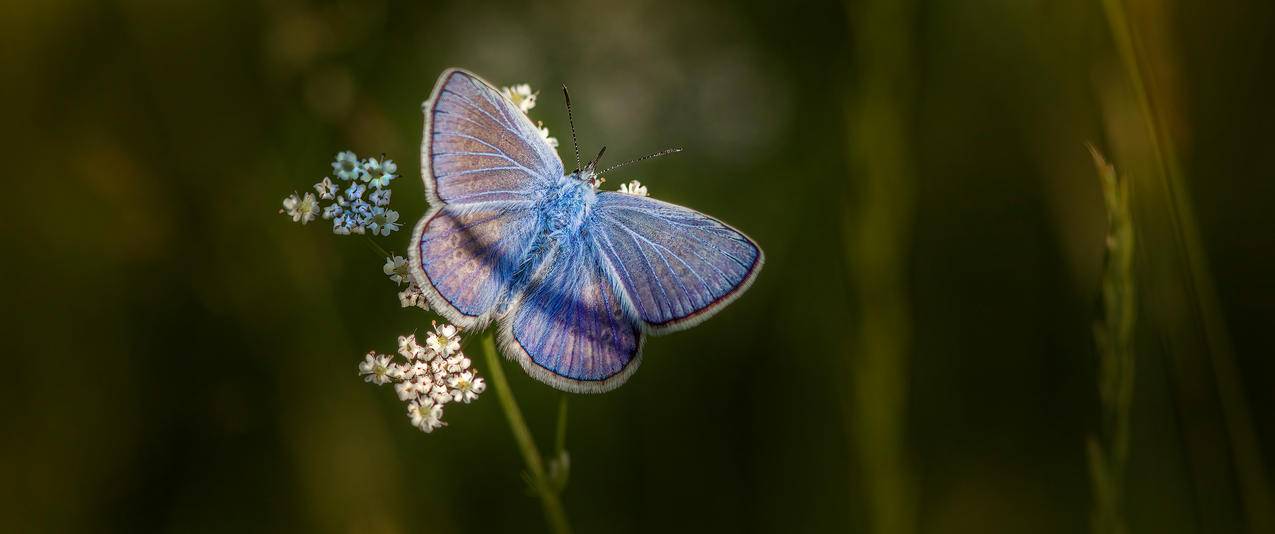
pixel 917 355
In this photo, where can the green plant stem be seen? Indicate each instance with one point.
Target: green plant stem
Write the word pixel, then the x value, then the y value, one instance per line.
pixel 377 247
pixel 560 438
pixel 878 233
pixel 1245 452
pixel 554 513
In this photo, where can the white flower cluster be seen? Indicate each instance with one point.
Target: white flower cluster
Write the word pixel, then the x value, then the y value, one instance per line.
pixel 523 97
pixel 429 376
pixel 349 211
pixel 396 268
pixel 633 188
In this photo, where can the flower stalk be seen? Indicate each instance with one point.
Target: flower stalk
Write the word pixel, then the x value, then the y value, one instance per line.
pixel 539 479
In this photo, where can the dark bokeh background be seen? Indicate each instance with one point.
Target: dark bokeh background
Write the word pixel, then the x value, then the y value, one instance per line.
pixel 182 358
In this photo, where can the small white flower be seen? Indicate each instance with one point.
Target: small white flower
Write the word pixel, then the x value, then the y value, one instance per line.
pixel 426 414
pixel 301 209
pixel 438 366
pixel 361 211
pixel 340 225
pixel 439 393
pixel 347 166
pixel 379 173
pixel 457 363
pixel 377 369
pixel 544 132
pixel 419 370
pixel 396 268
pixel 403 371
pixel 465 388
pixel 368 364
pixel 383 221
pixel 407 390
pixel 326 189
pixel 412 297
pixel 407 346
pixel 355 191
pixel 426 355
pixel 380 197
pixel 521 95
pixel 333 210
pixel 633 188
pixel 443 340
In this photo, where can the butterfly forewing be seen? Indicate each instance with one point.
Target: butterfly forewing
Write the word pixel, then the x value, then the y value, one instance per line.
pixel 479 148
pixel 676 266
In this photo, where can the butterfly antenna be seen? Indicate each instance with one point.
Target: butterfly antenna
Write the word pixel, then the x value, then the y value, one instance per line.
pixel 572 122
pixel 594 162
pixel 643 158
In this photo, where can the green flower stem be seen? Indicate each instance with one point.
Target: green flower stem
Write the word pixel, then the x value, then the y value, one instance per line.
pixel 554 513
pixel 560 440
pixel 377 247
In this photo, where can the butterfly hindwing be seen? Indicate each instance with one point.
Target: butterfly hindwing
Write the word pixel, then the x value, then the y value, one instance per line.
pixel 676 266
pixel 478 147
pixel 569 328
pixel 464 258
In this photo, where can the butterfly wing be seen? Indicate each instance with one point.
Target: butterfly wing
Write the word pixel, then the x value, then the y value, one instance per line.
pixel 478 147
pixel 675 266
pixel 483 164
pixel 569 328
pixel 464 259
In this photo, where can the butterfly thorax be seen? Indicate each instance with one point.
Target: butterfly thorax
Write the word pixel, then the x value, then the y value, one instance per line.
pixel 562 209
pixel 564 206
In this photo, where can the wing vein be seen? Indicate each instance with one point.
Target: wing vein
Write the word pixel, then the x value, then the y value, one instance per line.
pixel 654 276
pixel 465 100
pixel 507 125
pixel 496 148
pixel 724 274
pixel 676 279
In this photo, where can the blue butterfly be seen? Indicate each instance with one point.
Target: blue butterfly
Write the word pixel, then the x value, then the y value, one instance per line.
pixel 576 277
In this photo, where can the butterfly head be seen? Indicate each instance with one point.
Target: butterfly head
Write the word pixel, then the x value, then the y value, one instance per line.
pixel 589 174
